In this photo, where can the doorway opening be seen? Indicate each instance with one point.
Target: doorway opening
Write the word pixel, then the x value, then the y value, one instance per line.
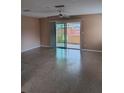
pixel 68 35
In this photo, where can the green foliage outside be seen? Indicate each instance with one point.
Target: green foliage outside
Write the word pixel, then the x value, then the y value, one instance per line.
pixel 60 33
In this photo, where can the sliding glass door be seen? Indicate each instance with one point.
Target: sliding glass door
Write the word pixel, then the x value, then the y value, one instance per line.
pixel 61 35
pixel 67 35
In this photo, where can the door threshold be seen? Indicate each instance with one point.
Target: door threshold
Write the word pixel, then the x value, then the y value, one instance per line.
pixel 68 48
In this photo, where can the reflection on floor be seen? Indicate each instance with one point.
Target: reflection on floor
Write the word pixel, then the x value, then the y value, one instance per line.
pixel 47 70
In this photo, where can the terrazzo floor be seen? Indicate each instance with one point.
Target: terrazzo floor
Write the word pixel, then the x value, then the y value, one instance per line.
pixel 48 70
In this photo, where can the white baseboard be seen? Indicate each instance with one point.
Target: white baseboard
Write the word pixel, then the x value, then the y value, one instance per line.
pixel 30 48
pixel 34 48
pixel 91 50
pixel 45 46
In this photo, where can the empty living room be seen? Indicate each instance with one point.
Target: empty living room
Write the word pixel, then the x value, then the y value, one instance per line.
pixel 61 46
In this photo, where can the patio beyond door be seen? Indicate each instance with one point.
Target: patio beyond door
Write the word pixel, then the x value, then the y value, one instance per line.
pixel 68 35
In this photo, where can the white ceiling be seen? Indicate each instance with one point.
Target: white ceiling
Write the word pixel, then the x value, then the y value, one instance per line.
pixel 45 8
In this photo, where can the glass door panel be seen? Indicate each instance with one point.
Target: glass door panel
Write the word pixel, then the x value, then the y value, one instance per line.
pixel 60 35
pixel 68 35
pixel 73 35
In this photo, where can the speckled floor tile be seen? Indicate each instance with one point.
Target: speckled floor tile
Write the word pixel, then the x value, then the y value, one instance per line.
pixel 47 70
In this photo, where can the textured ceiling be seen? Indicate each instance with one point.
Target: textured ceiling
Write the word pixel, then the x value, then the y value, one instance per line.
pixel 45 8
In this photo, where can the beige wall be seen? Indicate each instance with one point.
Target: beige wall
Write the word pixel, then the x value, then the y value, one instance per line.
pixel 45 32
pixel 91 30
pixel 30 33
pixel 37 31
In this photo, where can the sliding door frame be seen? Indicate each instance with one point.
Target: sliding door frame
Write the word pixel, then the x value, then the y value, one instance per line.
pixel 65 30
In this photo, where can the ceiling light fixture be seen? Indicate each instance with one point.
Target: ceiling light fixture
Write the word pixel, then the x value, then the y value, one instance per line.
pixel 60 9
